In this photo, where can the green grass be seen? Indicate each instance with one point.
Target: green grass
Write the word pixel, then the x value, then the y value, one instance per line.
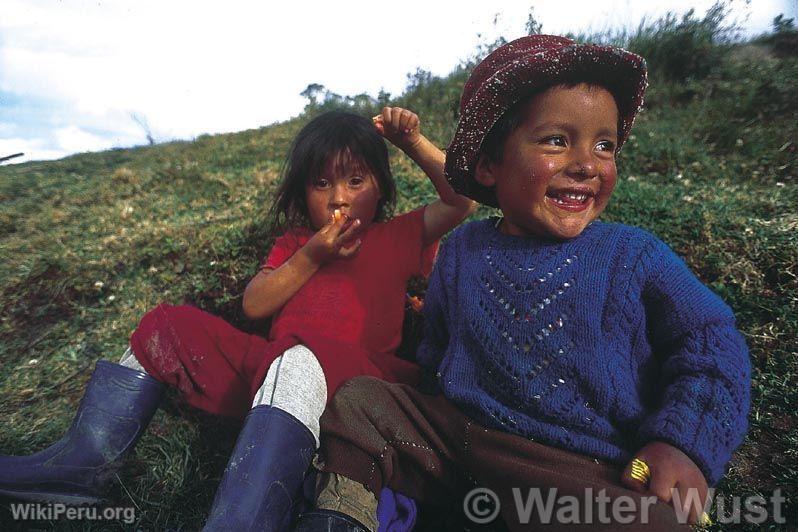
pixel 91 242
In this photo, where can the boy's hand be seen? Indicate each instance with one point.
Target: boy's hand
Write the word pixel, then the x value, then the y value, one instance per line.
pixel 670 468
pixel 336 240
pixel 400 126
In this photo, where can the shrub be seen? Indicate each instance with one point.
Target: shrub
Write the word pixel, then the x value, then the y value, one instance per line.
pixel 678 49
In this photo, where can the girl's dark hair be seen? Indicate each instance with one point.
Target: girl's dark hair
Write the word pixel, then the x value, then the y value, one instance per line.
pixel 339 136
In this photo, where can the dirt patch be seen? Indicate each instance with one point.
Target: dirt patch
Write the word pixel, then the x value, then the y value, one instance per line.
pixel 44 297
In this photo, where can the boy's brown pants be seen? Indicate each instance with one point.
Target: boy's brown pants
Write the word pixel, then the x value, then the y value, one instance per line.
pixel 382 434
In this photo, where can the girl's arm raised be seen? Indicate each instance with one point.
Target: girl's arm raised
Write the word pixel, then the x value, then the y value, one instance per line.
pixel 446 213
pixel 270 289
pixel 401 127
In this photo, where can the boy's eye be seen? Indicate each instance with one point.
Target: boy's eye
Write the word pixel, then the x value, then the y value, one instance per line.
pixel 606 145
pixel 555 140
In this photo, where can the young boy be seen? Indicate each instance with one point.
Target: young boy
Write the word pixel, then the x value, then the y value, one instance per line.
pixel 572 355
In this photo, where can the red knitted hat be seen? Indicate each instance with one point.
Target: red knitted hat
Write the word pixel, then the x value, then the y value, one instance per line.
pixel 527 64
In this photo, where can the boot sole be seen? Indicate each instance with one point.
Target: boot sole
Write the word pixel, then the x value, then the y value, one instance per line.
pixel 62 498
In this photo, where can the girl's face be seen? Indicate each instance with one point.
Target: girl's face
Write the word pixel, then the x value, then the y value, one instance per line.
pixel 346 185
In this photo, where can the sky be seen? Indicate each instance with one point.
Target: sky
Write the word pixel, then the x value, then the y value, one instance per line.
pixel 79 76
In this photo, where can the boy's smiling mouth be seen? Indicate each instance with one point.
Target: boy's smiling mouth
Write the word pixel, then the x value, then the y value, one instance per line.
pixel 573 199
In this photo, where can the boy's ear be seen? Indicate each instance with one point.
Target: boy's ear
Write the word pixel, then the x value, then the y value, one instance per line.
pixel 483 173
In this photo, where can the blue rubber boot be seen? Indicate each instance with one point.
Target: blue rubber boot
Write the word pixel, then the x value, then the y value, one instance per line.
pixel 116 408
pixel 263 478
pixel 328 521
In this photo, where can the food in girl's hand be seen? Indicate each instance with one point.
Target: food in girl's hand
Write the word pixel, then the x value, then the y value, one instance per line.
pixel 348 220
pixel 416 303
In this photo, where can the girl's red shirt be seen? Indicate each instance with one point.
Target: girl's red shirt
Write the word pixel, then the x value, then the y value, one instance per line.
pixel 359 301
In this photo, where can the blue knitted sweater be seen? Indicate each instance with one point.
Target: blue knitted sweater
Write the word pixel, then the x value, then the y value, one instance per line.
pixel 596 345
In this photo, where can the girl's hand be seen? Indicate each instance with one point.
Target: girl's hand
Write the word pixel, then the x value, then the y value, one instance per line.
pixel 671 470
pixel 336 240
pixel 400 126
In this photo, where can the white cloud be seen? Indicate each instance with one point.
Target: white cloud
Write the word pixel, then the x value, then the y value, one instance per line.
pixel 34 149
pixel 192 67
pixel 73 139
pixel 7 129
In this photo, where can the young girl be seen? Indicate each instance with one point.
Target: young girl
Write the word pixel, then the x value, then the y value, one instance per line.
pixel 335 286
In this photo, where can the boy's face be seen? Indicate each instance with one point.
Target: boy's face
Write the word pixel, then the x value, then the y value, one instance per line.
pixel 558 167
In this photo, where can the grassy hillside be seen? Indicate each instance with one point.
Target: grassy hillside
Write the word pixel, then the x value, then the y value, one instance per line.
pixel 91 242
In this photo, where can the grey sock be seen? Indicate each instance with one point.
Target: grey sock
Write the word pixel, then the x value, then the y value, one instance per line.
pixel 129 361
pixel 295 383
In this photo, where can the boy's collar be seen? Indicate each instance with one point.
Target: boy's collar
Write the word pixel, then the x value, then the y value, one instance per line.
pixel 499 219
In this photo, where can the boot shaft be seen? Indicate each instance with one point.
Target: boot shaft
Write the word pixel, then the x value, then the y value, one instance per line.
pixel 263 479
pixel 116 408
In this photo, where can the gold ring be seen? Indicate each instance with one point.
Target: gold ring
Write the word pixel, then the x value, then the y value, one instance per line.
pixel 640 471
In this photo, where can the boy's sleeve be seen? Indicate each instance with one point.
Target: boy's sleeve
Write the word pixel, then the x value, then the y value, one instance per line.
pixel 436 312
pixel 706 375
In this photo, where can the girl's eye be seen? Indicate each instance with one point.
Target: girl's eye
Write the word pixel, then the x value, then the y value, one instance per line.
pixel 321 183
pixel 606 145
pixel 555 140
pixel 356 181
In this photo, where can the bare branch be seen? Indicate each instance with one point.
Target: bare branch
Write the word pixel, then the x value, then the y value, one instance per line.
pixel 9 157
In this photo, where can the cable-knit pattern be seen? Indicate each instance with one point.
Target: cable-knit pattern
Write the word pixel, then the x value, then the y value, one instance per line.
pixel 596 345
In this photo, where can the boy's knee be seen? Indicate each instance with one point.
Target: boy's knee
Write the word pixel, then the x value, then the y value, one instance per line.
pixel 360 391
pixel 362 400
